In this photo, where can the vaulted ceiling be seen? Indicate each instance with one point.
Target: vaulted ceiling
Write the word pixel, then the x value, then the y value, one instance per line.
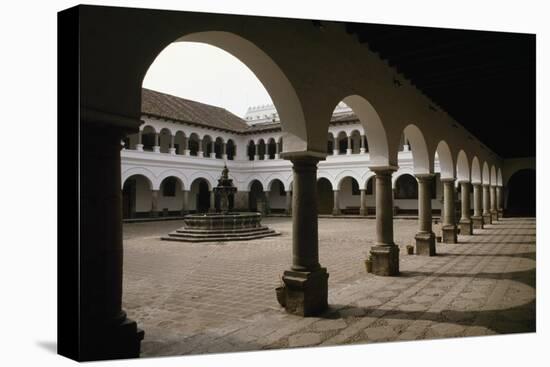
pixel 485 80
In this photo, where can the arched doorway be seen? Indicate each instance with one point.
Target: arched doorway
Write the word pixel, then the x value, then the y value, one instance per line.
pixel 522 194
pixel 256 196
pixel 349 196
pixel 325 196
pixel 136 197
pixel 406 194
pixel 200 192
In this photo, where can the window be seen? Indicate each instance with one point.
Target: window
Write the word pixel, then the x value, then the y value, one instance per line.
pixel 169 187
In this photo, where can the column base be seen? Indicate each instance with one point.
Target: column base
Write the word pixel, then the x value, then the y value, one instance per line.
pixel 449 233
pixel 362 212
pixel 494 215
pixel 477 222
pixel 336 212
pixel 172 151
pixel 306 293
pixel 466 227
pixel 156 149
pixel 425 244
pixel 139 147
pixel 385 260
pixel 118 341
pixel 487 219
pixel 500 213
pixel 186 152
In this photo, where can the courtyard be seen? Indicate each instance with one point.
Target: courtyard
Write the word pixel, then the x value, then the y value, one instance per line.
pixel 220 297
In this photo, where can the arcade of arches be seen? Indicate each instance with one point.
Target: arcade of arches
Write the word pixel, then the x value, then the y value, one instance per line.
pixel 378 156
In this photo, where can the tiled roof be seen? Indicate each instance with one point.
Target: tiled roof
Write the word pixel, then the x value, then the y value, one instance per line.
pixel 170 107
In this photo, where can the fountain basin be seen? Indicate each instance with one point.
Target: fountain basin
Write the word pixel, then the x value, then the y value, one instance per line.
pixel 221 227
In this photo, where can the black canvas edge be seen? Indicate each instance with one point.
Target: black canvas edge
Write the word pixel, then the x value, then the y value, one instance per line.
pixel 68 182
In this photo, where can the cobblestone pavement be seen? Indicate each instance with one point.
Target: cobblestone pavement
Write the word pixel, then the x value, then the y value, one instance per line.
pixel 213 298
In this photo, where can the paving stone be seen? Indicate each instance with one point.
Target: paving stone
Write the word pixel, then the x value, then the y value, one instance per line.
pixel 209 298
pixel 304 340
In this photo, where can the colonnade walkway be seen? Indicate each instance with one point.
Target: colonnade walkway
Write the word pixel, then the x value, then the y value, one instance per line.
pixel 209 298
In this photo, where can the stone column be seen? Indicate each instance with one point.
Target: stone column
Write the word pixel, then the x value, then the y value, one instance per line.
pixel 139 145
pixel 172 149
pixel 362 149
pixel 200 153
pixel 348 150
pixel 336 207
pixel 486 205
pixel 154 204
pixel 500 209
pixel 335 147
pixel 466 227
pixel 448 227
pixel 277 150
pixel 185 204
pixel 477 218
pixel 186 150
pixel 425 238
pixel 363 203
pixel 224 153
pixel 385 254
pixel 156 148
pixel 306 283
pixel 493 198
pixel 288 209
pixel 212 149
pixel 104 331
pixel 256 152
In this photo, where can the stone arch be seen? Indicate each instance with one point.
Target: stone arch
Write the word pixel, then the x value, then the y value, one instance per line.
pixel 324 174
pixel 164 139
pixel 366 178
pixel 179 141
pixel 406 186
pixel 251 150
pixel 251 182
pixel 486 179
pixel 476 170
pixel 184 184
pixel 493 176
pixel 355 136
pixel 149 126
pixel 207 145
pixel 218 147
pixel 202 176
pixel 325 198
pixel 274 80
pixel 421 156
pixel 193 144
pixel 141 171
pixel 374 129
pixel 271 148
pixel 231 149
pixel 400 172
pixel 270 182
pixel 462 167
pixel 445 160
pixel 342 175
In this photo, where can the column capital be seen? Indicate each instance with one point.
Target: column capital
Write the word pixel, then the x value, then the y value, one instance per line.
pixel 425 177
pixel 383 170
pixel 449 179
pixel 476 183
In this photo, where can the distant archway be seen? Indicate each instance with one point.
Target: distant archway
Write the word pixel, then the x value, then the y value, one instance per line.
pixel 522 194
pixel 325 196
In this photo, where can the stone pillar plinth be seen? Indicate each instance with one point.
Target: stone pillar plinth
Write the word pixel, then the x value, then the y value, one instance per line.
pixel 448 225
pixel 306 283
pixel 486 205
pixel 500 210
pixel 288 203
pixel 385 254
pixel 336 207
pixel 425 238
pixel 465 223
pixel 139 147
pixel 363 203
pixel 172 151
pixel 104 332
pixel 187 152
pixel 212 154
pixel 477 218
pixel 493 199
pixel 154 204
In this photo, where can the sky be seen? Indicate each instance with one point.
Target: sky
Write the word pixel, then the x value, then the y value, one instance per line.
pixel 207 74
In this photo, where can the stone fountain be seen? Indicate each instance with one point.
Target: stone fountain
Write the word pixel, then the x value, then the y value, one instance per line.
pixel 223 225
